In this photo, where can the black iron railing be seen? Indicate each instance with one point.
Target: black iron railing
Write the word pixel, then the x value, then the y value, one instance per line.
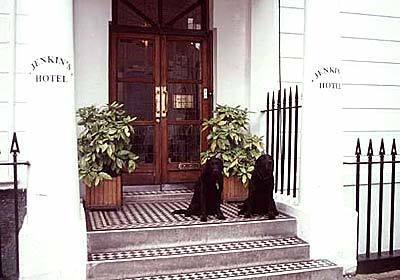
pixel 282 131
pixel 14 151
pixel 380 260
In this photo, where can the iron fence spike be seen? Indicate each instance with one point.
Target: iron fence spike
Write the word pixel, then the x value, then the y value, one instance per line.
pixel 382 148
pixel 358 147
pixel 284 97
pixel 273 99
pixel 14 144
pixel 394 150
pixel 370 150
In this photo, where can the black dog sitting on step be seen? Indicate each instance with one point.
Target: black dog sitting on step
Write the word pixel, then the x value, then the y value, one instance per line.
pixel 261 189
pixel 206 199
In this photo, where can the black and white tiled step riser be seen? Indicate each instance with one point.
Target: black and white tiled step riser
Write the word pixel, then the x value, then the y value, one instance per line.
pixel 310 270
pixel 157 195
pixel 196 258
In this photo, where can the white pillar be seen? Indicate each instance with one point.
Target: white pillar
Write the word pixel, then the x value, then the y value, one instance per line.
pixel 331 227
pixel 52 240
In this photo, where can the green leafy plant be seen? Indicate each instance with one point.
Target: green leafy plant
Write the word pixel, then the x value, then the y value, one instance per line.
pixel 229 139
pixel 104 144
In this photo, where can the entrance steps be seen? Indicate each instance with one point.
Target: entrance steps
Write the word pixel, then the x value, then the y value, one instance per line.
pixel 143 240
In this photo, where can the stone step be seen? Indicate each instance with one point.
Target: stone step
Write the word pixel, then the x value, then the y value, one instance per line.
pixel 191 234
pixel 310 270
pixel 157 195
pixel 151 225
pixel 194 258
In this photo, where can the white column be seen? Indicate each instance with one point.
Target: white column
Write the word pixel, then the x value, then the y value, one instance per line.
pixel 330 227
pixel 53 237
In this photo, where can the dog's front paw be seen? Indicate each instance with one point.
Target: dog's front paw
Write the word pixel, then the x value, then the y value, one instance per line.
pixel 271 216
pixel 221 216
pixel 247 215
pixel 203 219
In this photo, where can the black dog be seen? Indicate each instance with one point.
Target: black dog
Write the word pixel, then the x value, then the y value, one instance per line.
pixel 206 199
pixel 261 188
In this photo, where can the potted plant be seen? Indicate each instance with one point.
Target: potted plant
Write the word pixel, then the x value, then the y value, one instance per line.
pixel 229 139
pixel 104 150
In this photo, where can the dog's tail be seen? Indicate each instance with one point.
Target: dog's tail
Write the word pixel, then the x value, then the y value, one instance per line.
pixel 180 212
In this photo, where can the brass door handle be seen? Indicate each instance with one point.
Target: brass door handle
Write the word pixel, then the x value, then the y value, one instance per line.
pixel 158 104
pixel 164 101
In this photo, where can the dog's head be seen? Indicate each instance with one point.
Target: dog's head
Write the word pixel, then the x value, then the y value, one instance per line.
pixel 214 167
pixel 264 166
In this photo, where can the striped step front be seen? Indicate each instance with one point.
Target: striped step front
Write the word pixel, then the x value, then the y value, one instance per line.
pixel 135 263
pixel 157 195
pixel 307 270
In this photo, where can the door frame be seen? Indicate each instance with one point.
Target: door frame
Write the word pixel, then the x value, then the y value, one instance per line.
pixel 160 169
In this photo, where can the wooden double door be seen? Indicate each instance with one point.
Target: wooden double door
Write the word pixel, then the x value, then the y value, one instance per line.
pixel 164 82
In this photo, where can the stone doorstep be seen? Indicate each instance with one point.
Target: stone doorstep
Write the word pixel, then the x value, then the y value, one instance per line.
pixel 182 235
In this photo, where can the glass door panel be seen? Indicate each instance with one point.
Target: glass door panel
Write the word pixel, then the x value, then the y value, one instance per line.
pixel 183 143
pixel 130 93
pixel 184 60
pixel 135 58
pixel 143 143
pixel 183 101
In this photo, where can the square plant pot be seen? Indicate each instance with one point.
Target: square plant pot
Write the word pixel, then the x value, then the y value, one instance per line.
pixel 234 190
pixel 106 196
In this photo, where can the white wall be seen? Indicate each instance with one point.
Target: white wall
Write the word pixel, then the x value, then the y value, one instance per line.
pixel 292 41
pixel 91 18
pixel 232 60
pixel 264 60
pixel 370 44
pixel 13 73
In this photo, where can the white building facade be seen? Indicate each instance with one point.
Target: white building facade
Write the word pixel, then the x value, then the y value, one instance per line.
pixel 256 45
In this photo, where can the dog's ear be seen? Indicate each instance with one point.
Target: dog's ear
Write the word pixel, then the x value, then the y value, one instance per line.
pixel 207 168
pixel 220 164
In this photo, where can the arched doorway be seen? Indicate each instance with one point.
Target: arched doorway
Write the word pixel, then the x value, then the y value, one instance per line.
pixel 160 68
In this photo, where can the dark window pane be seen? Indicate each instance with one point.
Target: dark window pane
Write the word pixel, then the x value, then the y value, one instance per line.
pixel 143 143
pixel 137 98
pixel 183 101
pixel 135 58
pixel 191 21
pixel 183 143
pixel 147 7
pixel 127 16
pixel 184 60
pixel 172 8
